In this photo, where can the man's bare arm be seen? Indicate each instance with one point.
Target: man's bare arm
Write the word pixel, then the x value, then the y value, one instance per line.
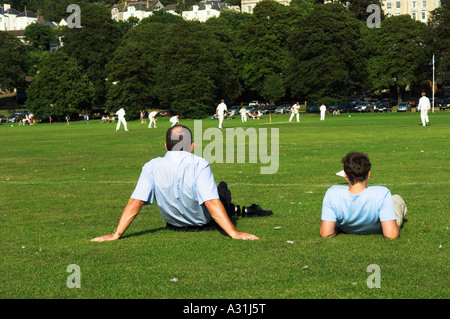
pixel 390 229
pixel 219 214
pixel 327 229
pixel 131 210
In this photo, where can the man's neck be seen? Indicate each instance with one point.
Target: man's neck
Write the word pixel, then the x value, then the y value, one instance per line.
pixel 357 187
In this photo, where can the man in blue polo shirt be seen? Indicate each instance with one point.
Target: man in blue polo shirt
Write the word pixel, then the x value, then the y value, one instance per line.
pixel 359 209
pixel 184 188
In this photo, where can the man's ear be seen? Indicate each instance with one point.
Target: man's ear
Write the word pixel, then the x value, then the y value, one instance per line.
pixel 165 145
pixel 368 175
pixel 192 147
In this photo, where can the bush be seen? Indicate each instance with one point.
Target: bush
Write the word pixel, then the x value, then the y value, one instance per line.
pixel 191 108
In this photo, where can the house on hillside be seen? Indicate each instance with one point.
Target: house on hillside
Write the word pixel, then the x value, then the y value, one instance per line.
pixel 134 8
pixel 13 20
pixel 204 10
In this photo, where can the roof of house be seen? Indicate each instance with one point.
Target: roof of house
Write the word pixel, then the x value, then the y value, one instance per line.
pixel 139 5
pixel 8 11
pixel 28 13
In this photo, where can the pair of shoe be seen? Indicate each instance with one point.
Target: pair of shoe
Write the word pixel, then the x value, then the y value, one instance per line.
pixel 255 211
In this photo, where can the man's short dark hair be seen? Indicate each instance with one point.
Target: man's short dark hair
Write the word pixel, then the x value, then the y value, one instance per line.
pixel 356 166
pixel 179 138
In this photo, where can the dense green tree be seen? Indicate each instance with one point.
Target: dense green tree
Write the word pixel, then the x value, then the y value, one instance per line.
pixel 327 62
pixel 234 19
pixel 440 26
pixel 13 66
pixel 93 45
pixel 262 43
pixel 59 88
pixel 193 65
pixel 163 17
pixel 40 35
pixel 399 54
pixel 132 72
pixel 273 89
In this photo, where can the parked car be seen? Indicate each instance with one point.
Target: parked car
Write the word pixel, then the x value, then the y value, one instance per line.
pixel 12 118
pixel 268 109
pixel 342 107
pixel 282 109
pixel 165 112
pixel 404 107
pixel 444 104
pixel 414 102
pixel 382 107
pixel 312 108
pixel 364 107
pixel 3 119
pixel 353 102
pixel 233 111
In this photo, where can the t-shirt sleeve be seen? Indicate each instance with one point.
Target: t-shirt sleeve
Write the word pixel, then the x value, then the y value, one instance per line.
pixel 205 184
pixel 327 210
pixel 145 189
pixel 387 210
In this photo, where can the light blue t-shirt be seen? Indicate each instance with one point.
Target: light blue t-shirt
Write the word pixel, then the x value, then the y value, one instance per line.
pixel 180 182
pixel 358 213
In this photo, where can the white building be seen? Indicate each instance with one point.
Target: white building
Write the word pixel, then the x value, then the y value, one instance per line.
pixel 204 10
pixel 12 20
pixel 136 9
pixel 417 9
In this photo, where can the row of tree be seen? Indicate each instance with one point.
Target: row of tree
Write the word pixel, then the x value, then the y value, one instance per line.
pixel 305 51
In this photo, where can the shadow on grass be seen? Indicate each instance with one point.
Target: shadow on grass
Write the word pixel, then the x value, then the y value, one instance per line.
pixel 151 231
pixel 145 232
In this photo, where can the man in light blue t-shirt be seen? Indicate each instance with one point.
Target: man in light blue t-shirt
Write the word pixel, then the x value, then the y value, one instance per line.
pixel 359 209
pixel 184 188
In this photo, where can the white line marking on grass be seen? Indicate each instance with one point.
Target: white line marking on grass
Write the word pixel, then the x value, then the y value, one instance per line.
pixel 230 184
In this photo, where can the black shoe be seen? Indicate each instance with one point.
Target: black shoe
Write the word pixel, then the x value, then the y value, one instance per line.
pixel 255 211
pixel 235 210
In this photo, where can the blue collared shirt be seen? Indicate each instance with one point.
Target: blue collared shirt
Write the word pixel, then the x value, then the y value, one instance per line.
pixel 180 182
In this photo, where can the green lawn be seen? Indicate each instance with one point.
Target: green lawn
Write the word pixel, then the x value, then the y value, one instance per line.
pixel 62 185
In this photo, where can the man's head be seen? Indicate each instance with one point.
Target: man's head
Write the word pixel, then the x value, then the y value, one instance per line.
pixel 179 138
pixel 356 167
pixel 423 94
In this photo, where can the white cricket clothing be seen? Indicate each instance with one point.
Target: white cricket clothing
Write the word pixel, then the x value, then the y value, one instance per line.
pixel 121 119
pixel 221 108
pixel 295 108
pixel 174 120
pixel 323 109
pixel 424 107
pixel 243 112
pixel 151 117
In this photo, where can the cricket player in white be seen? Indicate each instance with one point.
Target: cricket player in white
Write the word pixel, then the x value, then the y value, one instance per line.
pixel 152 119
pixel 295 111
pixel 220 112
pixel 424 107
pixel 121 119
pixel 323 109
pixel 243 112
pixel 174 120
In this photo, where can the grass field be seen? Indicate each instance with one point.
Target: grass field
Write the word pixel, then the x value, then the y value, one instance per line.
pixel 61 185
